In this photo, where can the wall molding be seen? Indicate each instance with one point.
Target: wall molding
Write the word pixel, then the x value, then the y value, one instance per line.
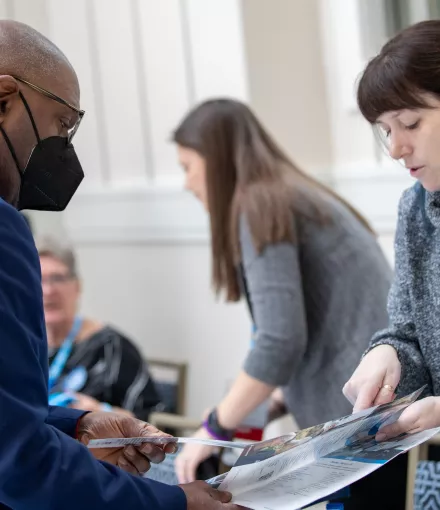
pixel 162 212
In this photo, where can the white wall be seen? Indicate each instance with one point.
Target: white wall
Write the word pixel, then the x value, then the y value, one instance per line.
pixel 142 242
pixel 361 171
pixel 286 77
pixel 161 295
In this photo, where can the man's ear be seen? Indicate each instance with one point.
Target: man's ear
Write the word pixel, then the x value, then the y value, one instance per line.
pixel 8 94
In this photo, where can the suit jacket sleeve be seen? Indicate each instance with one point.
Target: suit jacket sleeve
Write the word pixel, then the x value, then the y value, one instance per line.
pixel 40 465
pixel 64 419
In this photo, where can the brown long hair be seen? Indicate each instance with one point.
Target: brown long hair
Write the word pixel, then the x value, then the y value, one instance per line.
pixel 248 173
pixel 407 66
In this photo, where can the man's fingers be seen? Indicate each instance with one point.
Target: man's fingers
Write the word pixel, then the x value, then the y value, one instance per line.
pixel 126 465
pixel 84 439
pixel 134 457
pixel 222 496
pixel 171 448
pixel 154 453
pixel 138 428
pixel 148 430
pixel 151 431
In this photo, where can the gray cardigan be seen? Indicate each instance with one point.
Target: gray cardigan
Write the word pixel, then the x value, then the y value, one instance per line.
pixel 414 327
pixel 316 305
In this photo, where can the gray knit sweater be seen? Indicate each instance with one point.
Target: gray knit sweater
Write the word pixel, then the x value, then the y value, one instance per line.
pixel 413 307
pixel 316 306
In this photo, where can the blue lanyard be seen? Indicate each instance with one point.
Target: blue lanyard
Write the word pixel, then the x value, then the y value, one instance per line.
pixel 57 366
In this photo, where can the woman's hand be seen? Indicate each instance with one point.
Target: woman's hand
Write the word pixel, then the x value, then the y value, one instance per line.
pixel 191 456
pixel 375 380
pixel 422 415
pixel 87 403
pixel 244 396
pixel 277 406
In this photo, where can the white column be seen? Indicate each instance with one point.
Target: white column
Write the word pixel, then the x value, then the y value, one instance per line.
pixel 215 35
pixel 32 13
pixel 142 64
pixel 6 9
pixel 418 10
pixel 76 38
pixel 368 180
pixel 353 141
pixel 145 63
pixel 123 114
pixel 165 77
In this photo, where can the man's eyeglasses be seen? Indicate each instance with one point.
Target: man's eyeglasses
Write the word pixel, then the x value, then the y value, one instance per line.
pixel 71 132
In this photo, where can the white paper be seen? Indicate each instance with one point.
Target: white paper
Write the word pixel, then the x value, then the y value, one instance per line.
pixel 292 472
pixel 125 441
pixel 303 486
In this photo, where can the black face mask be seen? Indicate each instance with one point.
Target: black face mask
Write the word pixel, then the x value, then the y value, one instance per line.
pixel 52 174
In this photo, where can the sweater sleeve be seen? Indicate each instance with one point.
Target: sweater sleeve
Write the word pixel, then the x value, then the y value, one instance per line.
pixel 274 284
pixel 401 331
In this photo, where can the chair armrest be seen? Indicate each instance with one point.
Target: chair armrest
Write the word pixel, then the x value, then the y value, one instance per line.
pixel 174 421
pixel 435 440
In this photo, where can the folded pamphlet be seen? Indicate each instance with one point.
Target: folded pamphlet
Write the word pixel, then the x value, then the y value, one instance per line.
pixel 293 471
pixel 319 461
pixel 125 441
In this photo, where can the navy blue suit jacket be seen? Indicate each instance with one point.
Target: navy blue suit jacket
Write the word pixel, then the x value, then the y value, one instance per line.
pixel 42 467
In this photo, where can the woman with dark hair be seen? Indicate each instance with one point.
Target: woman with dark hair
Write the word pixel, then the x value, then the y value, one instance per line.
pixel 310 265
pixel 399 94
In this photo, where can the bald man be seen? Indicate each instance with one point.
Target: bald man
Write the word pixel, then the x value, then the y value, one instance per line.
pixel 43 463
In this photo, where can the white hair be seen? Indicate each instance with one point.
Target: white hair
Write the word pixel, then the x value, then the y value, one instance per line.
pixel 59 250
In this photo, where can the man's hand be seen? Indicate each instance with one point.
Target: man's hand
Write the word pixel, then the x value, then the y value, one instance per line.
pixel 375 380
pixel 201 496
pixel 134 459
pixel 422 415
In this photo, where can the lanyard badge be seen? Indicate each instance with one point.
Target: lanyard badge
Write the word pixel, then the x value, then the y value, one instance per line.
pixel 57 366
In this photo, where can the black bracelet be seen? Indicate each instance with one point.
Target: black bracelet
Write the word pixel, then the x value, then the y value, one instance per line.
pixel 213 427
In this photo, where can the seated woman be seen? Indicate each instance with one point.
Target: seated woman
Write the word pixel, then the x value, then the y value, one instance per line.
pixel 91 365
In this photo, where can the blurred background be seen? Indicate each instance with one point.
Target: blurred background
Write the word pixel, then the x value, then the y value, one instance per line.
pixel 142 241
